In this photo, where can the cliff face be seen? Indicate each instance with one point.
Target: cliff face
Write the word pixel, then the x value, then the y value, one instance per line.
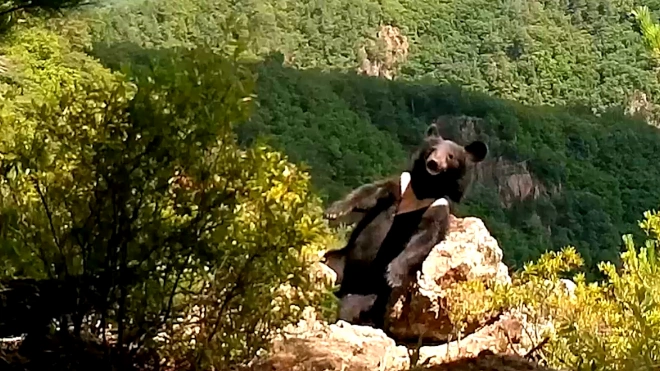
pixel 513 180
pixel 383 55
pixel 428 308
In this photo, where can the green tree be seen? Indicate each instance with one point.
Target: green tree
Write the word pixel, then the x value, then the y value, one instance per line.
pixel 135 195
pixel 650 30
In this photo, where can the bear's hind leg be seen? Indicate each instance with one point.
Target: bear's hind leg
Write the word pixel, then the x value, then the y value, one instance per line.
pixel 377 311
pixel 353 307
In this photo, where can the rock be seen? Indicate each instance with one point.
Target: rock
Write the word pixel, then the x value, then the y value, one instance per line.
pixel 487 361
pixel 494 341
pixel 381 57
pixel 569 286
pixel 510 334
pixel 313 345
pixel 468 253
pixel 639 105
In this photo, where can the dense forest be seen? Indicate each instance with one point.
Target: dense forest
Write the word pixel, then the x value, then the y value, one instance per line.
pixel 529 75
pixel 154 157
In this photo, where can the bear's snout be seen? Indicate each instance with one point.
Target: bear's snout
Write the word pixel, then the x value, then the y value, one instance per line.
pixel 433 166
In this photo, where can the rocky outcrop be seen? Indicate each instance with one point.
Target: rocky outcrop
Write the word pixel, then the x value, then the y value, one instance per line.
pixel 510 334
pixel 468 253
pixel 487 361
pixel 639 105
pixel 513 180
pixel 314 345
pixel 381 57
pixel 492 341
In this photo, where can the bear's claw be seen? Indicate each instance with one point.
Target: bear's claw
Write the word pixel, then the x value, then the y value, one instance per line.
pixel 336 211
pixel 395 276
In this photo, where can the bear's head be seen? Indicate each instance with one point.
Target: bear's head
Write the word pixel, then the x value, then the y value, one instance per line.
pixel 440 165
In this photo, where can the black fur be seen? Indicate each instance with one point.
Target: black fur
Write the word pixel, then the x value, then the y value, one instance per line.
pixel 384 248
pixel 429 231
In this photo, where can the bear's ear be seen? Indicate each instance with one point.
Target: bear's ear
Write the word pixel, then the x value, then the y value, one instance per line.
pixel 477 151
pixel 433 132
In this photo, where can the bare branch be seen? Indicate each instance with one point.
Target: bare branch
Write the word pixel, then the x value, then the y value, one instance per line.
pixel 51 223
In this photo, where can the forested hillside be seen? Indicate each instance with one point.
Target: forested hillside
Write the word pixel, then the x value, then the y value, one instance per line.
pixel 150 220
pixel 535 52
pixel 594 176
pixel 563 176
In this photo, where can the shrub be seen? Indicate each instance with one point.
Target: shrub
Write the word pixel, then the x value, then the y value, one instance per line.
pixel 174 238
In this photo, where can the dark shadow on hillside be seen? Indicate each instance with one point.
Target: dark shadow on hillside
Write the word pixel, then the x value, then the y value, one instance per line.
pixel 556 176
pixel 28 308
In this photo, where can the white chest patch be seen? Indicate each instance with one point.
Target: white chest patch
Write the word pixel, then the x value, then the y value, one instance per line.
pixel 404 181
pixel 440 202
pixel 408 200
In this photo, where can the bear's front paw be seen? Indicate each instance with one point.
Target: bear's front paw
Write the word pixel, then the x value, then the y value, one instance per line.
pixel 396 274
pixel 337 210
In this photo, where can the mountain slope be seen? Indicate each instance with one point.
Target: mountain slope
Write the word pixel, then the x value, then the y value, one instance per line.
pixel 590 177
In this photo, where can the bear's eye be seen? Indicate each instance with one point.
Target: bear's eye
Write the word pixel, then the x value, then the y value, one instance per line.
pixel 451 157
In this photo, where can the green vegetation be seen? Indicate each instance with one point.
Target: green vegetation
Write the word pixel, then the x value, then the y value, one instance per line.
pixel 612 325
pixel 131 193
pixel 143 180
pixel 540 52
pixel 604 165
pixel 593 176
pixel 607 325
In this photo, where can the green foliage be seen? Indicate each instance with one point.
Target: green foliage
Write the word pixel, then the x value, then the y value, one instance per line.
pixel 650 30
pixel 610 325
pixel 315 33
pixel 619 328
pixel 607 325
pixel 312 120
pixel 540 52
pixel 595 173
pixel 143 187
pixel 178 239
pixel 12 10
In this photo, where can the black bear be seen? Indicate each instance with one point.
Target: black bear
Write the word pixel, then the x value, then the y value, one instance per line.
pixel 399 221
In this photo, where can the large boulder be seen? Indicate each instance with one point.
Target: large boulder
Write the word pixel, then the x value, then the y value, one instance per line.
pixel 509 334
pixel 313 345
pixel 468 253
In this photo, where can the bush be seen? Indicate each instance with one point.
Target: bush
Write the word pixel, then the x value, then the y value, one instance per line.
pixel 136 191
pixel 608 325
